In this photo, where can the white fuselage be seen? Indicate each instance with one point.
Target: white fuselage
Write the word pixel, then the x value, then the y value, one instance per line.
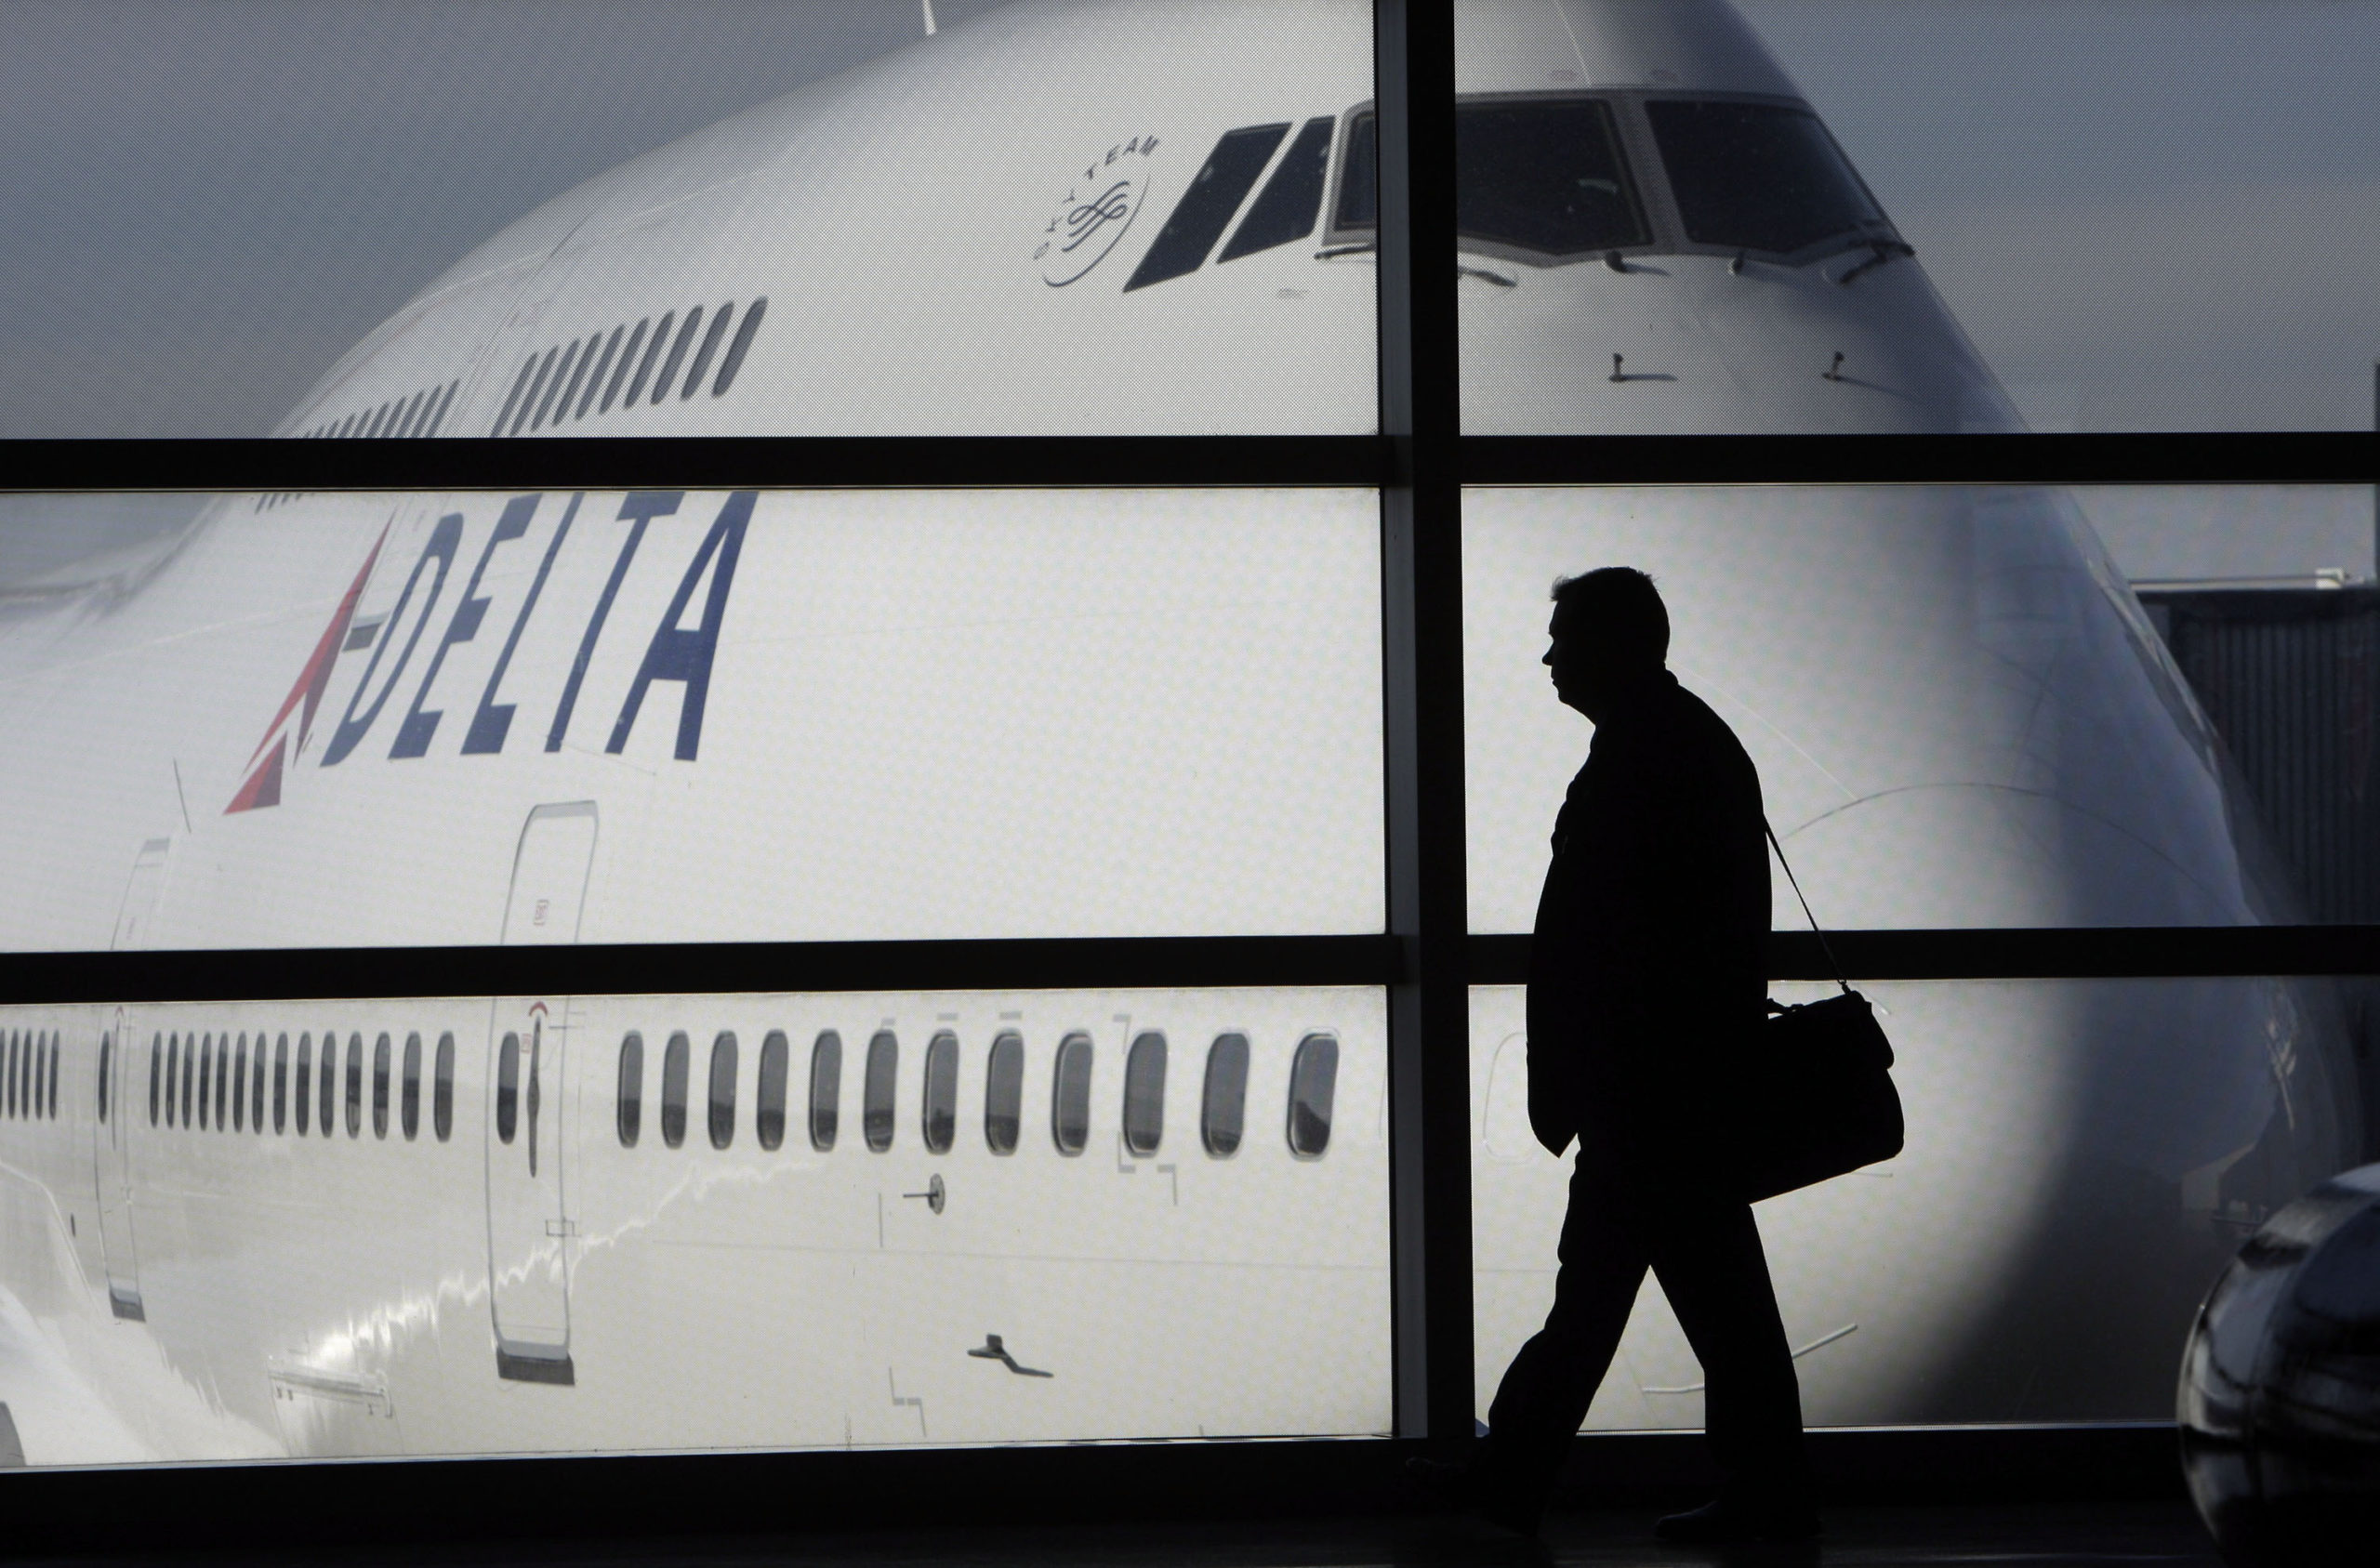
pixel 437 720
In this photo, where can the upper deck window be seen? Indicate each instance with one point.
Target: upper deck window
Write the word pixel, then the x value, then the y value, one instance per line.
pixel 1070 1095
pixel 1762 177
pixel 825 1088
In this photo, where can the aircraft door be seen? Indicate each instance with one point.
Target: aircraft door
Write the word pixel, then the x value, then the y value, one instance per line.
pixel 531 1236
pixel 111 1171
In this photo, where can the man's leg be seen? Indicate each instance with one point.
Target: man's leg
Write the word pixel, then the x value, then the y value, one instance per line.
pixel 1709 1260
pixel 1545 1392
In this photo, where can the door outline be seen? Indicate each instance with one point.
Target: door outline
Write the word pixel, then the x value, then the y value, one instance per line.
pixel 538 1030
pixel 111 1178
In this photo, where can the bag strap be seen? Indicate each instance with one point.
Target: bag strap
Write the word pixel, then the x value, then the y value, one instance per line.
pixel 1824 946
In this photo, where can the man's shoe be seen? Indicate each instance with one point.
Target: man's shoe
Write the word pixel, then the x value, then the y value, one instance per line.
pixel 1723 1522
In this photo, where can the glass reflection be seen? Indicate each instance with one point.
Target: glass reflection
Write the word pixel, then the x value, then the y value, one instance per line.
pixel 738 1289
pixel 2083 1159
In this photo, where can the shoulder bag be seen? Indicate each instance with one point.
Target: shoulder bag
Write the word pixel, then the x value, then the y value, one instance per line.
pixel 1815 1097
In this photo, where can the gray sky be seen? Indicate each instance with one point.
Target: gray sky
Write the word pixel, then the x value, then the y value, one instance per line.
pixel 2150 214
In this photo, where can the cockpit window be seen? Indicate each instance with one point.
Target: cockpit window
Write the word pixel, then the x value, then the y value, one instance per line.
pixel 1359 204
pixel 1759 176
pixel 1544 176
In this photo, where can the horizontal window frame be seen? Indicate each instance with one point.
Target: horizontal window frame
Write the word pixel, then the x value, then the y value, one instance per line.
pixel 207 975
pixel 1358 462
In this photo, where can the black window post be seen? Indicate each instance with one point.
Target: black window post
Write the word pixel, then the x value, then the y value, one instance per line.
pixel 1421 635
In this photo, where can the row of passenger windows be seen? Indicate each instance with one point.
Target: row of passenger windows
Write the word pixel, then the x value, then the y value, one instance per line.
pixel 399 418
pixel 1223 1112
pixel 29 1075
pixel 219 1081
pixel 571 380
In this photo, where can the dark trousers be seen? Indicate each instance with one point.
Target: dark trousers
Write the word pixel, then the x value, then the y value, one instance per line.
pixel 1705 1251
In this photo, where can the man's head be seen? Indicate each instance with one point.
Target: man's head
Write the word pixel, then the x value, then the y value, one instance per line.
pixel 1610 631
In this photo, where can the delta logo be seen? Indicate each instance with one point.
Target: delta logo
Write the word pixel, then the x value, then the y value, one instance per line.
pixel 674 651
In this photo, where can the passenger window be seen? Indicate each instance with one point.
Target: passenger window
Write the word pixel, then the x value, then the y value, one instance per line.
pixel 876 1088
pixel 155 1060
pixel 520 385
pixel 554 386
pixel 206 1069
pixel 529 403
pixel 737 349
pixel 441 1103
pixel 661 383
pixel 825 1088
pixel 940 1122
pixel 240 1086
pixel 1314 1077
pixel 327 1122
pixel 107 1052
pixel 1004 1092
pixel 175 1114
pixel 409 1113
pixel 629 1118
pixel 255 1088
pixel 674 1066
pixel 380 1064
pixel 52 1101
pixel 356 1086
pixel 768 1112
pixel 1070 1095
pixel 1222 1108
pixel 644 365
pixel 281 1084
pixel 445 402
pixel 222 1082
pixel 1145 1094
pixel 722 1090
pixel 595 377
pixel 508 1088
pixel 628 356
pixel 305 1096
pixel 703 354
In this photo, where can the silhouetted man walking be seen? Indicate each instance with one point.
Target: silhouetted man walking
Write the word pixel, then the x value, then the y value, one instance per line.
pixel 1646 984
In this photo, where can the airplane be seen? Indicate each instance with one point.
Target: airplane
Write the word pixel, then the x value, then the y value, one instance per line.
pixel 477 1225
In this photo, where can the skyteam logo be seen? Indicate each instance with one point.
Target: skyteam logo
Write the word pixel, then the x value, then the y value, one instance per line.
pixel 556 635
pixel 1098 207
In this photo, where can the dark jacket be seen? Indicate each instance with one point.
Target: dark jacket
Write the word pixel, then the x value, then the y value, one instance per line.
pixel 1648 971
